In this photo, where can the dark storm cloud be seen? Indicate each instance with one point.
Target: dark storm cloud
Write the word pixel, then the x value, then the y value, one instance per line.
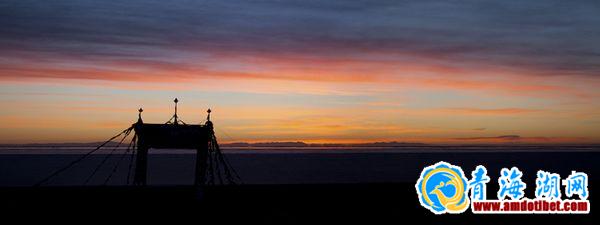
pixel 551 36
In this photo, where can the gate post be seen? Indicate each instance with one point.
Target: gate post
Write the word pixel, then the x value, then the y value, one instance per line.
pixel 141 166
pixel 141 161
pixel 201 165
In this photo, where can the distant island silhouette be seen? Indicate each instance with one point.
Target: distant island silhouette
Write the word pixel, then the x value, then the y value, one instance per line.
pixel 302 144
pixel 238 144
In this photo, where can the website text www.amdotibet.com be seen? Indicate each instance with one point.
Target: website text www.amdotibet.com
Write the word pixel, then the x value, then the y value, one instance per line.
pixel 527 206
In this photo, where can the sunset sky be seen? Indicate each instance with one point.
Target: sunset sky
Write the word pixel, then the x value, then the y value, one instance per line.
pixel 306 70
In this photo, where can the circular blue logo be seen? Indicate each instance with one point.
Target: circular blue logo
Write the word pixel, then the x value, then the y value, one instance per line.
pixel 442 188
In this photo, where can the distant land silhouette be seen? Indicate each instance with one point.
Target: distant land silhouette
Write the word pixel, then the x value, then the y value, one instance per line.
pixel 299 144
pixel 302 144
pixel 238 144
pixel 66 144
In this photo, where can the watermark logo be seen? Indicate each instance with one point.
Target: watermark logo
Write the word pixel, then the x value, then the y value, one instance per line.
pixel 442 188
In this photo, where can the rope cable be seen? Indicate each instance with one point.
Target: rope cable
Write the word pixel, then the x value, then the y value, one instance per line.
pixel 114 170
pixel 227 167
pixel 106 158
pixel 218 170
pixel 57 172
pixel 211 172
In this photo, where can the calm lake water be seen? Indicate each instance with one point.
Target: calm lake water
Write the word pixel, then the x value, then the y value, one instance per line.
pixel 24 166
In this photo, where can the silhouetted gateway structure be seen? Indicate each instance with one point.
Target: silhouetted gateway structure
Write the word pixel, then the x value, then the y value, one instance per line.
pixel 211 167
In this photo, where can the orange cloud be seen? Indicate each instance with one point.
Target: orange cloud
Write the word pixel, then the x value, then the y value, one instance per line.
pixel 277 73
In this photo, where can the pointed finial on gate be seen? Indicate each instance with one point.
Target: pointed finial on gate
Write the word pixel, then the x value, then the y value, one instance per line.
pixel 175 121
pixel 140 115
pixel 176 101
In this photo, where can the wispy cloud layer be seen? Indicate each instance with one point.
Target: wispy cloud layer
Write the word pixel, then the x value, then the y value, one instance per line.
pixel 393 68
pixel 547 37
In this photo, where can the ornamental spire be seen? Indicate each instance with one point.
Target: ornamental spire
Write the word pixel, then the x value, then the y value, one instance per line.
pixel 175 119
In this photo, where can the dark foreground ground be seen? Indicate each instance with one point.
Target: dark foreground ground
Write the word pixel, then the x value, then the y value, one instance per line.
pixel 393 203
pixel 280 188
